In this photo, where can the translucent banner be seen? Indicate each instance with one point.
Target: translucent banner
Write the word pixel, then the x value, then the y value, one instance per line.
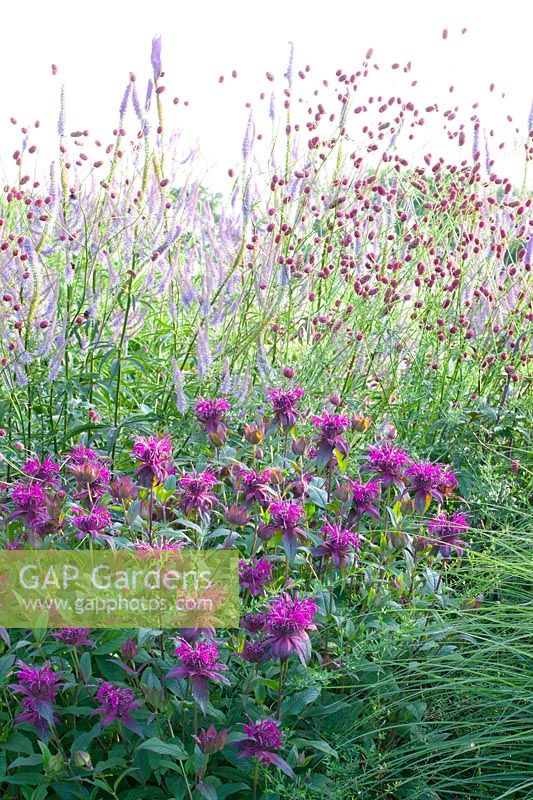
pixel 119 589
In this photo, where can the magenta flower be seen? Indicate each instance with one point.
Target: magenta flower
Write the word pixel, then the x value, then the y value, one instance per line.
pixel 255 486
pixel 160 544
pixel 237 515
pixel 389 463
pixel 39 686
pixel 284 406
pixel 155 456
pixel 75 637
pixel 262 739
pixel 254 623
pixel 445 532
pixel 116 704
pixel 332 428
pixel 255 575
pixel 45 471
pixel 424 482
pixel 195 492
pixel 93 522
pixel 122 488
pixel 210 414
pixel 286 622
pixel 284 519
pixel 30 501
pixel 199 663
pixel 81 454
pixel 364 497
pixel 448 483
pixel 253 651
pixel 91 476
pixel 337 544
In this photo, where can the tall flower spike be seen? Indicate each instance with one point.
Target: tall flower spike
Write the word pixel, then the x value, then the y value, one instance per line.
pixel 156 57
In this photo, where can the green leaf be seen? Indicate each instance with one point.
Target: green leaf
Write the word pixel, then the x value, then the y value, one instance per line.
pixel 156 745
pixel 296 704
pixel 6 662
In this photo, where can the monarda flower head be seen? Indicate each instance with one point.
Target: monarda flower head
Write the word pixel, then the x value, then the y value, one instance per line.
pixel 388 463
pixel 81 454
pixel 424 480
pixel 255 486
pixel 155 456
pixel 262 739
pixel 445 532
pixel 30 501
pixel 115 705
pixel 89 473
pixel 75 637
pixel 338 544
pixel 363 500
pixel 331 428
pixel 93 522
pixel 253 651
pixel 199 663
pixel 254 623
pixel 159 544
pixel 448 483
pixel 286 622
pixel 196 495
pixel 255 575
pixel 284 519
pixel 45 471
pixel 38 687
pixel 210 414
pixel 284 406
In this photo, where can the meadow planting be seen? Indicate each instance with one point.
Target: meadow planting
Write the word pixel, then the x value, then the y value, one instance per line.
pixel 326 369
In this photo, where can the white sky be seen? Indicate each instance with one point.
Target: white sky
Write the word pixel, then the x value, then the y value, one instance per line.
pixel 96 44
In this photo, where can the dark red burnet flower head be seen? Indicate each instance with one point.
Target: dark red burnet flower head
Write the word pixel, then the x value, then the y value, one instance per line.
pixel 262 739
pixel 155 456
pixel 284 403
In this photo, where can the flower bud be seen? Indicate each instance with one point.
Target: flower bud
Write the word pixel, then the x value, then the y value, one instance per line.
pixel 360 423
pixel 299 446
pixel 288 372
pixel 254 434
pixel 237 515
pixel 129 649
